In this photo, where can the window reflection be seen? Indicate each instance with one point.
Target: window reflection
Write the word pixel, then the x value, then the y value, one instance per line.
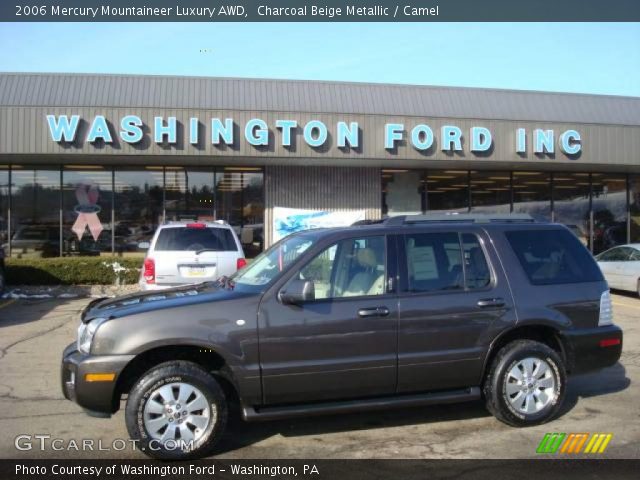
pixel 571 203
pixel 490 192
pixel 189 194
pixel 240 202
pixel 609 203
pixel 138 207
pixel 634 208
pixel 532 194
pixel 4 207
pixel 86 214
pixel 402 192
pixel 448 190
pixel 35 216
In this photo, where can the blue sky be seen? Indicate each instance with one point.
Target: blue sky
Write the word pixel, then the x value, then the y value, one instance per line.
pixel 591 58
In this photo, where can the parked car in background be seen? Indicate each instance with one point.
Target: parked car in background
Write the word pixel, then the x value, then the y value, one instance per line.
pixel 190 252
pixel 412 311
pixel 36 240
pixel 44 241
pixel 3 280
pixel 621 267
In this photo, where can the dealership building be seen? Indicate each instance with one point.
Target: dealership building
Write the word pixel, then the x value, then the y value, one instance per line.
pixel 94 163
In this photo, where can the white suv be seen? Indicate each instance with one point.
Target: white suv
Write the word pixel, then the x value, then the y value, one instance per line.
pixel 181 253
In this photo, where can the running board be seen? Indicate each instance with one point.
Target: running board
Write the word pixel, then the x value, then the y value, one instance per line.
pixel 251 414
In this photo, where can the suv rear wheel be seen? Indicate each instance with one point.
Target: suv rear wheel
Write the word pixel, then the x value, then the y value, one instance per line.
pixel 526 384
pixel 176 411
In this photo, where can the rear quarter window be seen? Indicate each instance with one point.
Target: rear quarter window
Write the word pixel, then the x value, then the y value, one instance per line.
pixel 551 257
pixel 193 239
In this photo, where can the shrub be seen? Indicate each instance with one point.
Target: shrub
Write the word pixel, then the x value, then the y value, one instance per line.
pixel 73 271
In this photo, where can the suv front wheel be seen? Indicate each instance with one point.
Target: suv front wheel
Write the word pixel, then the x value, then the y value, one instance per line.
pixel 176 411
pixel 526 384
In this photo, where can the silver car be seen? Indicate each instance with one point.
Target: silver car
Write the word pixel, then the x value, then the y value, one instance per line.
pixel 190 252
pixel 621 267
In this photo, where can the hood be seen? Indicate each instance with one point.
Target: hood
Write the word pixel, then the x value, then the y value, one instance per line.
pixel 141 302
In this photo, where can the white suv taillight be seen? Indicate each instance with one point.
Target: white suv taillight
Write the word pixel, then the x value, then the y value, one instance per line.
pixel 149 270
pixel 606 310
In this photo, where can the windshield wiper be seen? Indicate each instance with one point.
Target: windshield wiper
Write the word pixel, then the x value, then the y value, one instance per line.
pixel 226 282
pixel 202 250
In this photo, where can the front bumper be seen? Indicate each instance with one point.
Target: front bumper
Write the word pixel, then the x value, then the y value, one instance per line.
pixel 592 349
pixel 98 398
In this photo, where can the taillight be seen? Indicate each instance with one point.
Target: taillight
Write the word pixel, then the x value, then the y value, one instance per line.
pixel 196 225
pixel 149 270
pixel 606 310
pixel 610 342
pixel 241 263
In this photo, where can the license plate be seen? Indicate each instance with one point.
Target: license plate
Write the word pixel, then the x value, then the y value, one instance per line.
pixel 196 272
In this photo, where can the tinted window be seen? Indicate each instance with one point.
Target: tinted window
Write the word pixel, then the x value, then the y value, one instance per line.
pixel 553 256
pixel 218 239
pixel 477 273
pixel 349 268
pixel 635 255
pixel 434 262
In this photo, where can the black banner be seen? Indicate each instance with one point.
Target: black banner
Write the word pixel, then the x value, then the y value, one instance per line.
pixel 319 11
pixel 535 468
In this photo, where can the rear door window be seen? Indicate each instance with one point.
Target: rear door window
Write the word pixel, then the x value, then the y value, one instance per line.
pixel 434 262
pixel 445 261
pixel 476 269
pixel 194 239
pixel 551 257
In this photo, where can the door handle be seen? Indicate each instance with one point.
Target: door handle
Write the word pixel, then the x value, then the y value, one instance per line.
pixel 373 312
pixel 491 302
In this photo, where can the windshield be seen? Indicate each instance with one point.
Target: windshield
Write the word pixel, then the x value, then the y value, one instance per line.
pixel 271 262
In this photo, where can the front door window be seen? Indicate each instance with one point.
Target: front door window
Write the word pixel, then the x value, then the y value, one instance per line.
pixel 350 268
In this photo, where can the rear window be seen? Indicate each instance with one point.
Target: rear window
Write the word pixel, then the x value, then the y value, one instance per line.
pixel 551 257
pixel 185 238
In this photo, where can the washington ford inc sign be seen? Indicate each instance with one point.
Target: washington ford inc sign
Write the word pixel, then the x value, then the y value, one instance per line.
pixel 315 133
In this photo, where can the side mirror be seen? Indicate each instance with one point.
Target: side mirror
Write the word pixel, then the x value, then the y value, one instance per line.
pixel 144 245
pixel 297 292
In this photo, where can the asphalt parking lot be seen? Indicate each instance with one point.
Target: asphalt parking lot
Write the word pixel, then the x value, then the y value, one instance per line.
pixel 34 332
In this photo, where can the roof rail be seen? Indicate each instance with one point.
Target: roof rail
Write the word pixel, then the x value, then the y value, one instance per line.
pixel 459 218
pixel 367 222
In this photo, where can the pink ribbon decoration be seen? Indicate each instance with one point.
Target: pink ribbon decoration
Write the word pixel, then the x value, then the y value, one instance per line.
pixel 87 210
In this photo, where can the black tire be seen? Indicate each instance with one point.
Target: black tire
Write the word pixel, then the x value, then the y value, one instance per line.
pixel 495 385
pixel 171 373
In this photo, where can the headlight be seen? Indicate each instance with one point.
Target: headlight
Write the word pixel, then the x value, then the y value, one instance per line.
pixel 86 331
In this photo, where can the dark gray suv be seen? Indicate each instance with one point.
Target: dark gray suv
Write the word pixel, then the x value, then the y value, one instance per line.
pixel 410 311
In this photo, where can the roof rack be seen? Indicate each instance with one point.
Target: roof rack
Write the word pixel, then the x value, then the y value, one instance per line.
pixel 459 218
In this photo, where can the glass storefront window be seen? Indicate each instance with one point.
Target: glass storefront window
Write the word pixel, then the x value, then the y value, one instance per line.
pixel 532 194
pixel 634 208
pixel 402 192
pixel 189 194
pixel 447 190
pixel 138 200
pixel 571 203
pixel 490 192
pixel 86 214
pixel 609 204
pixel 35 212
pixel 240 202
pixel 4 207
